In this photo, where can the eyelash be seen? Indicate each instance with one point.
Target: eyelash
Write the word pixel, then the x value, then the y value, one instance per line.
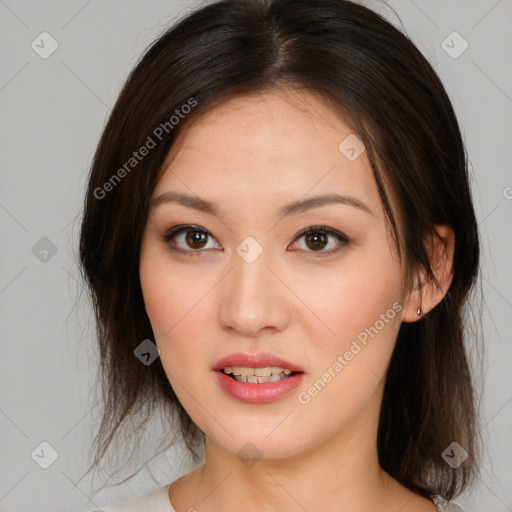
pixel 175 231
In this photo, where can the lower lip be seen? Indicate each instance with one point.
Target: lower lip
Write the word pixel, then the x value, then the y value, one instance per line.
pixel 252 393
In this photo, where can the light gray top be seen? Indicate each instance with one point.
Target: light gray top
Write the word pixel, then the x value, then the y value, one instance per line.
pixel 158 501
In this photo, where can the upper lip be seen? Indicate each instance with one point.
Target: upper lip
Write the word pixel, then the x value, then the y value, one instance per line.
pixel 261 360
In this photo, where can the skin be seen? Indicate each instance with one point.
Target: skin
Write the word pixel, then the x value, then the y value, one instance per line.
pixel 250 156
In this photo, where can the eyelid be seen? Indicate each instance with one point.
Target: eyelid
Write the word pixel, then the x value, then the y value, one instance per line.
pixel 343 240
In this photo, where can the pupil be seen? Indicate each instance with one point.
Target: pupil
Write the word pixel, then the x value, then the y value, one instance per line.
pixel 319 240
pixel 196 237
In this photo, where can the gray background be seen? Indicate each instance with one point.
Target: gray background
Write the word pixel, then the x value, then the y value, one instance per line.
pixel 53 110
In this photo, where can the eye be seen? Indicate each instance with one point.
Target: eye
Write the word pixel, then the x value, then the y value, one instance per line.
pixel 195 237
pixel 317 239
pixel 189 240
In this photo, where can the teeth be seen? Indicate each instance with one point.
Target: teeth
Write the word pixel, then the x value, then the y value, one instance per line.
pixel 257 375
pixel 268 371
pixel 260 380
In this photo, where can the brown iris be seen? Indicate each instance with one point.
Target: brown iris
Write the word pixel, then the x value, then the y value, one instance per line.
pixel 196 237
pixel 319 240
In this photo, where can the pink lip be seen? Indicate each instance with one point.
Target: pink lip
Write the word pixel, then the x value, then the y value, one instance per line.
pixel 257 393
pixel 255 361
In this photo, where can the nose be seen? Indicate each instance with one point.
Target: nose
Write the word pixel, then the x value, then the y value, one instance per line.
pixel 253 300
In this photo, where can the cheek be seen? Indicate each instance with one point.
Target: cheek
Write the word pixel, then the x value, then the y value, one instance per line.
pixel 176 300
pixel 349 299
pixel 169 294
pixel 177 306
pixel 361 307
pixel 347 373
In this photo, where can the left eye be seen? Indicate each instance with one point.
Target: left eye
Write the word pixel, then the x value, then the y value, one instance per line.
pixel 196 238
pixel 317 239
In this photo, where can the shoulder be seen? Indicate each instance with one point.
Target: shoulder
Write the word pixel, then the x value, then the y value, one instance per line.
pixel 445 506
pixel 156 501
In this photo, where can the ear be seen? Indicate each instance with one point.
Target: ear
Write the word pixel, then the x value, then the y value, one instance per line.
pixel 425 294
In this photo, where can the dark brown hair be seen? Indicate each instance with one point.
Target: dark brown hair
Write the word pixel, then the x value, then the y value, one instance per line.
pixel 378 81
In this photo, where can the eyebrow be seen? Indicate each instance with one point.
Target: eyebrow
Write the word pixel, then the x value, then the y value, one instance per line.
pixel 290 209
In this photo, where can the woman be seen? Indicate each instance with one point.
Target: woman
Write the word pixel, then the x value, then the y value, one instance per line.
pixel 279 240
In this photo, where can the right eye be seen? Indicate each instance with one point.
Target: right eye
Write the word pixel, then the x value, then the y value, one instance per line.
pixel 194 237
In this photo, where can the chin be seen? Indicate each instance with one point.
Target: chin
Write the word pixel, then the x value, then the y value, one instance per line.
pixel 262 439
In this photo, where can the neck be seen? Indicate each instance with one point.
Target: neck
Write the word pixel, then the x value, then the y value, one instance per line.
pixel 319 480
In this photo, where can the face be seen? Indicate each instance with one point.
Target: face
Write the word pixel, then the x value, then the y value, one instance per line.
pixel 231 273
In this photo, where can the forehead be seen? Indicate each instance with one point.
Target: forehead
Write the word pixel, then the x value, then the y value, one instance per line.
pixel 280 145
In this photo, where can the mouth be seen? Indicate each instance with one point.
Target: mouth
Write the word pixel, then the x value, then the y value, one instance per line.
pixel 257 378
